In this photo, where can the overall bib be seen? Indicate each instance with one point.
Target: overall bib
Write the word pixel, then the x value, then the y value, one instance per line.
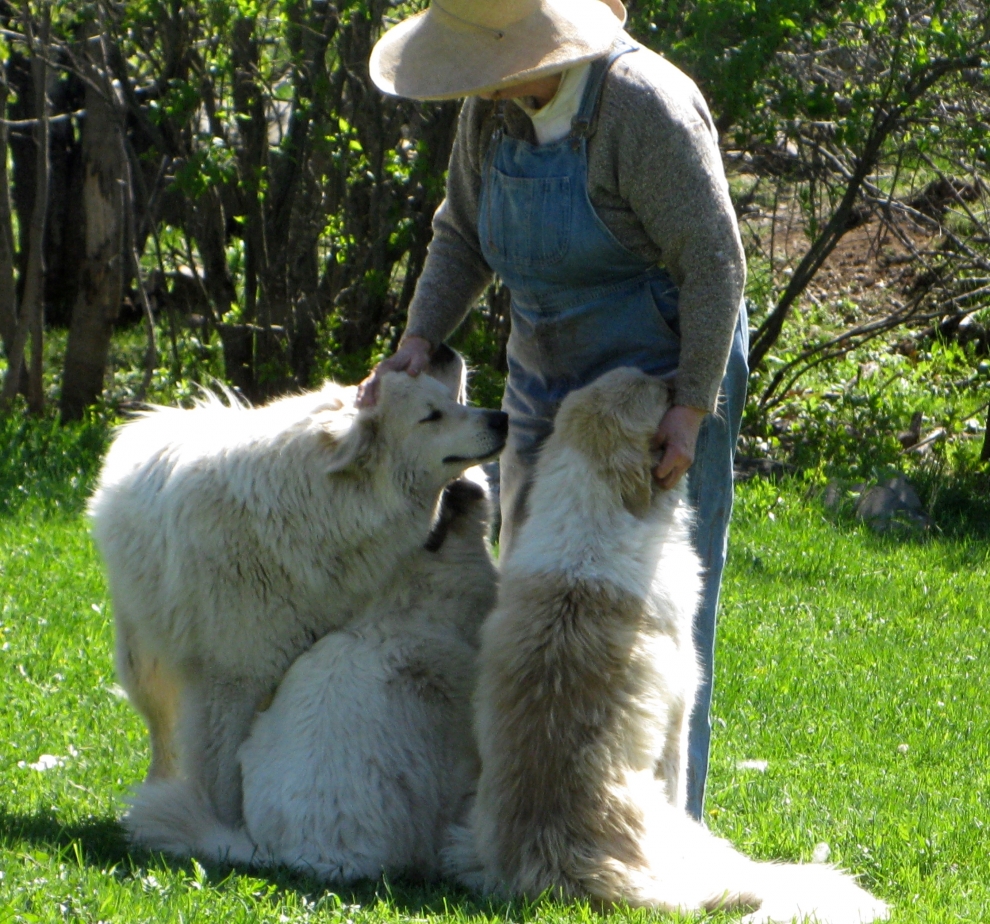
pixel 583 304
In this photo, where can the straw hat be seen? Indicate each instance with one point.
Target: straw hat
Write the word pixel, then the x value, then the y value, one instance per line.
pixel 462 47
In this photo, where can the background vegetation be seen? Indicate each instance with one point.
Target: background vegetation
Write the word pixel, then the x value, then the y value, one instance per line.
pixel 214 189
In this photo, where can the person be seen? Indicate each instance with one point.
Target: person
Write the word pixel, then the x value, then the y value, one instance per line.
pixel 585 172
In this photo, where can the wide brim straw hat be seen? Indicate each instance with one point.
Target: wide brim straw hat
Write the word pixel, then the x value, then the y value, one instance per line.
pixel 458 48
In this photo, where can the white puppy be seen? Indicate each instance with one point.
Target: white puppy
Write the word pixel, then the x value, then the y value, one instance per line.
pixel 235 538
pixel 365 757
pixel 587 676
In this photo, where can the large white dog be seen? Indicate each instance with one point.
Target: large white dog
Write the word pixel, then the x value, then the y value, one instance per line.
pixel 587 675
pixel 235 538
pixel 365 758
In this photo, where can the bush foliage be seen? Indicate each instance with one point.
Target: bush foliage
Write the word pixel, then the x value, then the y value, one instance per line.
pixel 278 206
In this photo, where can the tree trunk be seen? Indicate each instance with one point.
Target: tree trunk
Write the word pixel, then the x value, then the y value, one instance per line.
pixel 105 197
pixel 29 323
pixel 8 292
pixel 249 104
pixel 64 220
pixel 65 224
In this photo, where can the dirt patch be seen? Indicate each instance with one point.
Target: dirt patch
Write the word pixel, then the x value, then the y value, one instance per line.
pixel 871 268
pixel 871 272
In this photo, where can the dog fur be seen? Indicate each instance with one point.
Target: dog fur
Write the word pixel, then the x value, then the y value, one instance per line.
pixel 587 676
pixel 234 538
pixel 365 757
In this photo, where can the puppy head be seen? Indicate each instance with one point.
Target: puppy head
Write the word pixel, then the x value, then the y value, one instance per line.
pixel 418 434
pixel 612 422
pixel 464 509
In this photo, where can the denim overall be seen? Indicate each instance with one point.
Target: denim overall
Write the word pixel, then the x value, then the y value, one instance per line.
pixel 583 304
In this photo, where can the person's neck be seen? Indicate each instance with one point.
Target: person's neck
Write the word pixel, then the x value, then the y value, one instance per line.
pixel 540 91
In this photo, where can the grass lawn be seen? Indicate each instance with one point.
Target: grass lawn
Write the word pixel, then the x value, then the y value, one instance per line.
pixel 856 667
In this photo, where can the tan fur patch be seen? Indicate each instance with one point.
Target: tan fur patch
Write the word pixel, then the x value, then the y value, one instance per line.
pixel 559 678
pixel 154 692
pixel 265 703
pixel 636 489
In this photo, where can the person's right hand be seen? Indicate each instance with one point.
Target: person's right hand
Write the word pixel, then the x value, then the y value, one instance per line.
pixel 413 356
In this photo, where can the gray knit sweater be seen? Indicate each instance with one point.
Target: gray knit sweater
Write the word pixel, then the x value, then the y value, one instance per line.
pixel 656 180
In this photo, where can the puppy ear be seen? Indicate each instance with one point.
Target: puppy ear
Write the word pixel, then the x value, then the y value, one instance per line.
pixel 448 368
pixel 636 490
pixel 350 449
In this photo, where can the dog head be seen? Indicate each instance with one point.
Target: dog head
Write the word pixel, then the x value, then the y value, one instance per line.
pixel 612 422
pixel 419 434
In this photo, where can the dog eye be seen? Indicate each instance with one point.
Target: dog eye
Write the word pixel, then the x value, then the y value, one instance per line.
pixel 433 415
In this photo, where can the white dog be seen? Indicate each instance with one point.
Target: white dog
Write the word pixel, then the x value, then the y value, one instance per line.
pixel 587 676
pixel 235 538
pixel 365 757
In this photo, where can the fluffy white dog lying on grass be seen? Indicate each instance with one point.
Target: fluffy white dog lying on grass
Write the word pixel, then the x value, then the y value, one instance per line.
pixel 365 757
pixel 235 538
pixel 587 678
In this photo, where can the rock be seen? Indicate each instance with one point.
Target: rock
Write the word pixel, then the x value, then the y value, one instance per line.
pixel 749 467
pixel 836 494
pixel 893 505
pixel 832 495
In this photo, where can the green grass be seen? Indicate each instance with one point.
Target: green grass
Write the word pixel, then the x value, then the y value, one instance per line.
pixel 856 666
pixel 837 649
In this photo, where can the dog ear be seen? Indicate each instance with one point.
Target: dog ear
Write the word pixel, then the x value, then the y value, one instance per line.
pixel 348 450
pixel 448 368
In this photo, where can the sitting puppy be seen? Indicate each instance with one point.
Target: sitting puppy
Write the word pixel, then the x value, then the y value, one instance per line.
pixel 365 757
pixel 587 677
pixel 235 538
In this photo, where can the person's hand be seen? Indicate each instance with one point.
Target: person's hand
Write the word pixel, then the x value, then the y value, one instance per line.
pixel 676 437
pixel 413 356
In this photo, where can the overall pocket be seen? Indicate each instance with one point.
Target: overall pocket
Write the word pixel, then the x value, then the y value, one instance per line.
pixel 528 218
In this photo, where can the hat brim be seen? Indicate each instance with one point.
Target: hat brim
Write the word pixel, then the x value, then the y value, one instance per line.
pixel 431 56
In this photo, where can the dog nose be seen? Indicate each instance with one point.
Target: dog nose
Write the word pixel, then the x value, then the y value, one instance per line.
pixel 498 421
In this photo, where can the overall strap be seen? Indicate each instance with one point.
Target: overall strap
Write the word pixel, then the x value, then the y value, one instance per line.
pixel 498 129
pixel 585 122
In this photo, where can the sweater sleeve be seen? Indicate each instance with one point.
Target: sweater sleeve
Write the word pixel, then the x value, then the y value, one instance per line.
pixel 660 137
pixel 455 272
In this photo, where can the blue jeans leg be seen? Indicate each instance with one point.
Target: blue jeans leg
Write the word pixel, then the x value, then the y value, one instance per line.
pixel 711 494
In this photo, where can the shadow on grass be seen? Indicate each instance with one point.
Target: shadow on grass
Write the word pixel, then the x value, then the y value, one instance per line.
pixel 101 840
pixel 959 505
pixel 49 467
pixel 100 843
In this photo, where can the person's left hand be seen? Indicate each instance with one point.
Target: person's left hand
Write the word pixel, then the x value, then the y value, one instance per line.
pixel 413 356
pixel 677 436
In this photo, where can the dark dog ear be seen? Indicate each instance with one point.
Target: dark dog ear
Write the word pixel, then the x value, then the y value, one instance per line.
pixel 349 449
pixel 447 367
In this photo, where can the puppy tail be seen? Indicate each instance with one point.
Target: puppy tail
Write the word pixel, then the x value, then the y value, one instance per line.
pixel 689 868
pixel 176 817
pixel 686 868
pixel 813 891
